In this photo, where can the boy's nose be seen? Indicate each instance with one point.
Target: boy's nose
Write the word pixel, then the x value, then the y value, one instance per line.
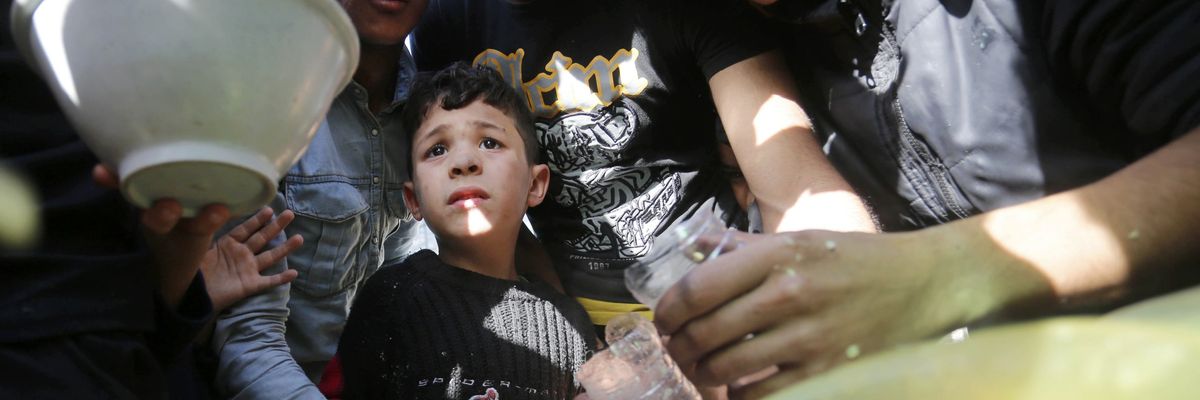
pixel 465 165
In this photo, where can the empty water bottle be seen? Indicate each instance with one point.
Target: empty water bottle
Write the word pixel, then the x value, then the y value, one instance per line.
pixel 700 238
pixel 635 366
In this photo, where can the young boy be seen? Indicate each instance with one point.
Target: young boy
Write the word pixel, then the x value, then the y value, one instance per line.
pixel 625 93
pixel 463 324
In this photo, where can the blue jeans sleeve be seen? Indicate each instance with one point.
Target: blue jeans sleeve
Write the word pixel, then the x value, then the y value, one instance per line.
pixel 255 361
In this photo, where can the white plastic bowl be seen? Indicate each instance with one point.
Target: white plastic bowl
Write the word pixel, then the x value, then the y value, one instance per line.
pixel 204 101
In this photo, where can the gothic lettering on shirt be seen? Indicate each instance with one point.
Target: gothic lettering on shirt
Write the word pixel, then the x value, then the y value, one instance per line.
pixel 566 85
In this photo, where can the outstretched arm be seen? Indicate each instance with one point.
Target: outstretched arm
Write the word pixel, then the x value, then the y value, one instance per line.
pixel 254 358
pixel 813 300
pixel 795 185
pixel 233 266
pixel 1090 244
pixel 177 244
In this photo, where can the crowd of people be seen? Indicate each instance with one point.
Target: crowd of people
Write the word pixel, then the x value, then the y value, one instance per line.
pixel 460 225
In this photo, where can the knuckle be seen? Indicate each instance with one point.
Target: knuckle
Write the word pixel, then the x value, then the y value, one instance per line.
pixel 714 372
pixel 687 339
pixel 704 334
pixel 664 321
pixel 803 345
pixel 808 245
pixel 784 292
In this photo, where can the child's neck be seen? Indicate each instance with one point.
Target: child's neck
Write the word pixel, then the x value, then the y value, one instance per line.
pixel 494 257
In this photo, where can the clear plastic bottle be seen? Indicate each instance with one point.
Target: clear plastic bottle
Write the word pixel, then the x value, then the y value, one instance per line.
pixel 635 365
pixel 700 238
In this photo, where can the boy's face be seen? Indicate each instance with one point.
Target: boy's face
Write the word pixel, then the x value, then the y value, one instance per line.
pixel 470 173
pixel 384 22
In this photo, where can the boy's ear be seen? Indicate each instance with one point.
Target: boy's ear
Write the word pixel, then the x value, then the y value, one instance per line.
pixel 541 183
pixel 410 200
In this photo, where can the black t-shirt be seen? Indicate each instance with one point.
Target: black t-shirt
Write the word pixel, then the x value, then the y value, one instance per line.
pixel 625 116
pixel 1135 63
pixel 424 329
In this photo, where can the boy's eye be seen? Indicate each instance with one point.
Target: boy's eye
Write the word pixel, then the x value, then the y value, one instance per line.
pixel 489 143
pixel 435 151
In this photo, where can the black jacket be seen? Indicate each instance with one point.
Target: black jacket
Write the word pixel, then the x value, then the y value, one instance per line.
pixel 937 110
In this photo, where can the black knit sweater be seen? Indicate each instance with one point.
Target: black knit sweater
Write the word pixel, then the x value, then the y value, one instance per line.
pixel 424 329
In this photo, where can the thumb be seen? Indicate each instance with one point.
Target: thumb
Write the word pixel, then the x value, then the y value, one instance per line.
pixel 104 176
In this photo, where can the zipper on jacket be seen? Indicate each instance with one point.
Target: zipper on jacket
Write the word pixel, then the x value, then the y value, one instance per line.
pixel 936 171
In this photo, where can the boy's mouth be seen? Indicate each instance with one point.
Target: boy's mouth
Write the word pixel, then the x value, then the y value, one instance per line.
pixel 467 196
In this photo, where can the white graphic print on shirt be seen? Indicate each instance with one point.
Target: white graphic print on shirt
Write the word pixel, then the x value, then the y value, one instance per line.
pixel 583 132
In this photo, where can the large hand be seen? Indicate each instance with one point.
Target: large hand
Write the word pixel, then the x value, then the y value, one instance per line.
pixel 177 244
pixel 807 301
pixel 233 266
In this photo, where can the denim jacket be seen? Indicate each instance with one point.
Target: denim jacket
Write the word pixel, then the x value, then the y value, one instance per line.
pixel 347 193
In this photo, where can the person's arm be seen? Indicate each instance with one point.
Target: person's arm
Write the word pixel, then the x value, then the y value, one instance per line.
pixel 813 300
pixel 175 327
pixel 197 276
pixel 178 245
pixel 816 299
pixel 254 358
pixel 794 184
pixel 1088 245
pixel 249 340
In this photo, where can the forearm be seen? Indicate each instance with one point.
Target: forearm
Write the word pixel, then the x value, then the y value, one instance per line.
pixel 173 284
pixel 1084 246
pixel 255 360
pixel 794 194
pixel 794 184
pixel 176 326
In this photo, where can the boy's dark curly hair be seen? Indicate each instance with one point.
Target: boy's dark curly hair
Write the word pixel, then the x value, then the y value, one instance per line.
pixel 459 85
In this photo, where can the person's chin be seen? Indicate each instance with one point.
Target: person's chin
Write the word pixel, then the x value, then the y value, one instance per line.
pixel 383 30
pixel 469 233
pixel 469 221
